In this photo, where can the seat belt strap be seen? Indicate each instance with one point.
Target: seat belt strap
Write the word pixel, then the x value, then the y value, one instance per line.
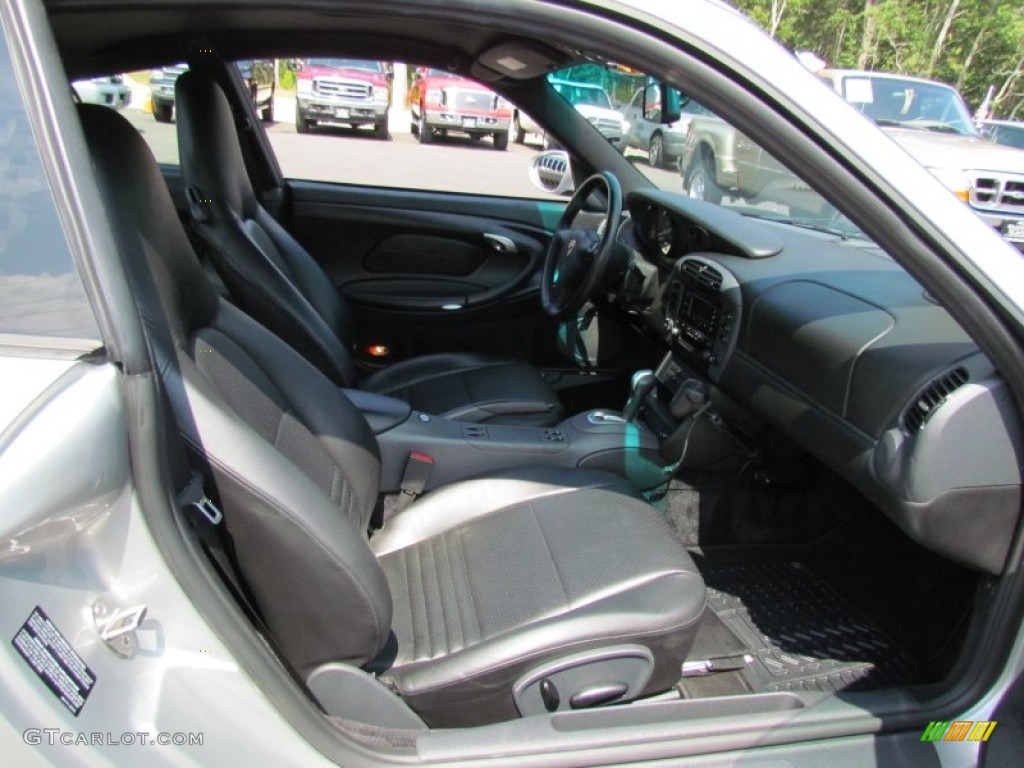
pixel 414 479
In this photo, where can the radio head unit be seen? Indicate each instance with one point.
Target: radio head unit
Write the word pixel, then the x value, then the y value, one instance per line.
pixel 701 310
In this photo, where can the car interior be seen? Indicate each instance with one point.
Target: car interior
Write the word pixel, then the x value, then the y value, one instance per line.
pixel 674 459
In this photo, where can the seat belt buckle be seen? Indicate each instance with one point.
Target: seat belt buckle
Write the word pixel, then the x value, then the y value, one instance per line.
pixel 209 510
pixel 197 205
pixel 193 495
pixel 414 479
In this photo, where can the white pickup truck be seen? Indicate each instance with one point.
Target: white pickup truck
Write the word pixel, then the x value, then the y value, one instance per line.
pixel 592 101
pixel 931 121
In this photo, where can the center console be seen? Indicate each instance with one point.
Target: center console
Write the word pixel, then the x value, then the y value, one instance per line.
pixel 460 450
pixel 670 415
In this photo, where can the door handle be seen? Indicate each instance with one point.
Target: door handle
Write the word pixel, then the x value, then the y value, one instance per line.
pixel 500 243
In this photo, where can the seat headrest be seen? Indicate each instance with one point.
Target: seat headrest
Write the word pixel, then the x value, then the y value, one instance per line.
pixel 211 157
pixel 168 281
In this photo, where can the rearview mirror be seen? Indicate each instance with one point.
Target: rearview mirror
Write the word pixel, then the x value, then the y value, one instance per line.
pixel 662 103
pixel 551 172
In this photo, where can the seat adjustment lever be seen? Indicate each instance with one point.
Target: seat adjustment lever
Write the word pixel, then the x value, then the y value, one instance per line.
pixel 595 695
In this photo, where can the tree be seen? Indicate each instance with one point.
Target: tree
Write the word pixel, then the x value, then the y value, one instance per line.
pixel 971 44
pixel 940 40
pixel 778 9
pixel 868 36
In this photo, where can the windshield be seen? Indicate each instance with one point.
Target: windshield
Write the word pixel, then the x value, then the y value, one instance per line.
pixel 369 66
pixel 434 72
pixel 909 103
pixel 1011 135
pixel 700 154
pixel 583 93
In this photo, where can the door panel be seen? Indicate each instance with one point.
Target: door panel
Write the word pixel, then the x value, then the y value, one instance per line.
pixel 424 255
pixel 433 272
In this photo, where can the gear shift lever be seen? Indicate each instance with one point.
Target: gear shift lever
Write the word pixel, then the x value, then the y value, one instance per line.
pixel 639 387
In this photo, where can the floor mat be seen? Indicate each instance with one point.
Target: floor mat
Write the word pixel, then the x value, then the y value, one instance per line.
pixel 775 626
pixel 748 506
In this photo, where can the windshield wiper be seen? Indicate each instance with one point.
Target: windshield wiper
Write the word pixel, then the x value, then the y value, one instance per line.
pixel 942 128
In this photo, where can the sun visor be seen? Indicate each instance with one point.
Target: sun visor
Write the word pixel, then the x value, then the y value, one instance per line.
pixel 517 59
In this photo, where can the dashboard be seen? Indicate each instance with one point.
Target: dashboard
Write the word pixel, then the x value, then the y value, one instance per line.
pixel 832 343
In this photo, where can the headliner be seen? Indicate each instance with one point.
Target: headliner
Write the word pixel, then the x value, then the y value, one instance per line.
pixel 100 36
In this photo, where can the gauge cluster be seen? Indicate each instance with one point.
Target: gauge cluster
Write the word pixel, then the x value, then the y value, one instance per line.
pixel 670 236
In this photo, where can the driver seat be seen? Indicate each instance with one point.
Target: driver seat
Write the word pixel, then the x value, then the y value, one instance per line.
pixel 276 281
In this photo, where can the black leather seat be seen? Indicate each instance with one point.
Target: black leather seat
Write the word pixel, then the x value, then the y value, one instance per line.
pixel 469 599
pixel 272 278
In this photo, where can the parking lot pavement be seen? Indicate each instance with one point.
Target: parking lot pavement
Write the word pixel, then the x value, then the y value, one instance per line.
pixel 355 156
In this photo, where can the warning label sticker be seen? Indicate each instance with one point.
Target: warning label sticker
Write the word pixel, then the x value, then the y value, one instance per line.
pixel 53 659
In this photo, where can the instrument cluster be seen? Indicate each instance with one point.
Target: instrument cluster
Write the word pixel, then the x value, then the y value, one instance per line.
pixel 669 236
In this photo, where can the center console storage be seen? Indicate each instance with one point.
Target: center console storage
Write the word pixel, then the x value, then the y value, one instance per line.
pixel 381 412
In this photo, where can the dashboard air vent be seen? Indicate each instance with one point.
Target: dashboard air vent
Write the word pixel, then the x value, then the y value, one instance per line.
pixel 702 274
pixel 932 397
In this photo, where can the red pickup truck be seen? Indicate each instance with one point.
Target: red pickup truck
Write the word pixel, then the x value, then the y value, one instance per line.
pixel 444 103
pixel 349 92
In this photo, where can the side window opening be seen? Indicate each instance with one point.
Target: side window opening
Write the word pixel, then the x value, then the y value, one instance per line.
pixel 41 293
pixel 364 122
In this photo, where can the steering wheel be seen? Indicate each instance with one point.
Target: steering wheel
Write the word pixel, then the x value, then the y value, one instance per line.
pixel 577 258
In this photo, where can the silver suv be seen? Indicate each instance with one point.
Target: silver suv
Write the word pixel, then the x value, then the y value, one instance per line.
pixel 662 142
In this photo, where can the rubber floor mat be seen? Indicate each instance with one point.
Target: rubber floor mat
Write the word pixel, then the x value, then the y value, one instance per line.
pixel 796 632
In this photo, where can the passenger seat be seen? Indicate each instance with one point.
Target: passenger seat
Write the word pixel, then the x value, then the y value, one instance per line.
pixel 276 281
